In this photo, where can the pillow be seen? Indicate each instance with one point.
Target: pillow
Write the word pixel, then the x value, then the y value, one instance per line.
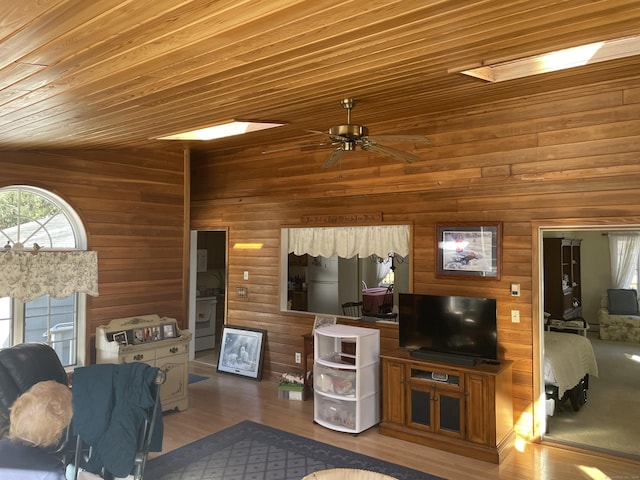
pixel 623 302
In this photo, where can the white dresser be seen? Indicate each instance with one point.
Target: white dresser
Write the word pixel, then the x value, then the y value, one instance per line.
pixel 156 341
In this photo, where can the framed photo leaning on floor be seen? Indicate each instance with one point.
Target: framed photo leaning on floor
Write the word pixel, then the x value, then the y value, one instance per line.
pixel 242 351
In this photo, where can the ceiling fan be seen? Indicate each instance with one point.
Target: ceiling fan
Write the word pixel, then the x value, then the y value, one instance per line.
pixel 345 138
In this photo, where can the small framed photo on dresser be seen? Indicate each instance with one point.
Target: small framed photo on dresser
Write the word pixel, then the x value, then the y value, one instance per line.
pixel 121 338
pixel 138 336
pixel 169 330
pixel 156 333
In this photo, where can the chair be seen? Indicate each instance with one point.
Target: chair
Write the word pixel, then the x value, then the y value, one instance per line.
pixel 352 309
pixel 117 418
pixel 387 303
pixel 21 367
pixel 619 316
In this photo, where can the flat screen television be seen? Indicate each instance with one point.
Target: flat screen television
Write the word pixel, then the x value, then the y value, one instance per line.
pixel 454 329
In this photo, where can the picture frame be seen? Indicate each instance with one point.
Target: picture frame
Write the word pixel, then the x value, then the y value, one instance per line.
pixel 169 330
pixel 138 336
pixel 242 351
pixel 324 320
pixel 470 250
pixel 156 333
pixel 120 337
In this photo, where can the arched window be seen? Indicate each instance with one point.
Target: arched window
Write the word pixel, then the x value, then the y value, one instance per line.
pixel 34 218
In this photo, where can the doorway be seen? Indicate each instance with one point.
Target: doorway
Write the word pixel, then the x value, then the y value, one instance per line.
pixel 207 293
pixel 596 426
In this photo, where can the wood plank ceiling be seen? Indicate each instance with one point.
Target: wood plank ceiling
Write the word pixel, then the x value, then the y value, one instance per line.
pixel 117 73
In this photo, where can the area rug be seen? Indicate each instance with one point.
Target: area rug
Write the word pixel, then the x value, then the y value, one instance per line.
pixel 250 451
pixel 193 378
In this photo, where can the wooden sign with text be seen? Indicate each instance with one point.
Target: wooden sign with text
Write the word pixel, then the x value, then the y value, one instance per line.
pixel 352 219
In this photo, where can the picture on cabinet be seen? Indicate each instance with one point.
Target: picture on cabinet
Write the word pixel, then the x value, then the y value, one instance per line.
pixel 168 330
pixel 156 333
pixel 121 338
pixel 323 320
pixel 242 351
pixel 138 336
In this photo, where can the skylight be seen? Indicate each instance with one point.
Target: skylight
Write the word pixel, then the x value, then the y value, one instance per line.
pixel 223 130
pixel 558 60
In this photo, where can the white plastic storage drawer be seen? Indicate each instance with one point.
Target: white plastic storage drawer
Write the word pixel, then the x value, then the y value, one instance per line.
pixel 347 415
pixel 334 381
pixel 336 414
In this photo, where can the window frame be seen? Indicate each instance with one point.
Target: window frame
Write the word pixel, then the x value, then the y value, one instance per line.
pixel 18 308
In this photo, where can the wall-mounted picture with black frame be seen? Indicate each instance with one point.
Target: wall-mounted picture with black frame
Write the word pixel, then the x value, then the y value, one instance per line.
pixel 468 250
pixel 242 351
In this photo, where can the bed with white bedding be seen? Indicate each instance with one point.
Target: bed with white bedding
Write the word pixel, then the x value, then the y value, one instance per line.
pixel 568 362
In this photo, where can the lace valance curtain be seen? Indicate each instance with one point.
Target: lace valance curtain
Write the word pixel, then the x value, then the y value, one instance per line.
pixel 347 242
pixel 27 276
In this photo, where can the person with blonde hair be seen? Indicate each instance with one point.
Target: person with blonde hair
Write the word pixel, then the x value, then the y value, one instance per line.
pixel 38 420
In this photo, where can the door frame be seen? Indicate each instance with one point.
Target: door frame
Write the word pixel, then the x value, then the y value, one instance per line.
pixel 193 269
pixel 539 227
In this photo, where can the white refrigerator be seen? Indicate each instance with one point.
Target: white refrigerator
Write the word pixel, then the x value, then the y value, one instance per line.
pixel 322 285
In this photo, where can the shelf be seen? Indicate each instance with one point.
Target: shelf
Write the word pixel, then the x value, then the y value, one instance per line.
pixel 562 277
pixel 338 359
pixel 436 377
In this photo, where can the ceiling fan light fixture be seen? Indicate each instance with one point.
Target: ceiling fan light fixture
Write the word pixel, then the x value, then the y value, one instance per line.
pixel 339 133
pixel 227 129
pixel 349 146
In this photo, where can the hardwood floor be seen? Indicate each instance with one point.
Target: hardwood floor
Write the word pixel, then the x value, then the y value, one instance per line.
pixel 224 400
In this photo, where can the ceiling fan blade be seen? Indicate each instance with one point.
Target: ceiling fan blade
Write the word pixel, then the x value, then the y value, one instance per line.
pixel 334 137
pixel 334 158
pixel 391 152
pixel 318 131
pixel 300 147
pixel 398 138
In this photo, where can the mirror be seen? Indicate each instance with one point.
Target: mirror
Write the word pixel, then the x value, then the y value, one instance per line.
pixel 322 284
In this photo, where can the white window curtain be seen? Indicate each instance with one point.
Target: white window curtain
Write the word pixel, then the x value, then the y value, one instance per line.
pixel 27 276
pixel 624 250
pixel 382 269
pixel 346 242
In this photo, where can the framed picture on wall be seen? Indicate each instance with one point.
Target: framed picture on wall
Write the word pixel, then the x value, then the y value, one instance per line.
pixel 242 351
pixel 468 250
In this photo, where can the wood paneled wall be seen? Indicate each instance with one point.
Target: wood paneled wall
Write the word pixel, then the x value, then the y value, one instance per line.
pixel 564 158
pixel 132 207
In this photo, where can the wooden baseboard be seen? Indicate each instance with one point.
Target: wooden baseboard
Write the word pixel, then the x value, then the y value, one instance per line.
pixel 458 446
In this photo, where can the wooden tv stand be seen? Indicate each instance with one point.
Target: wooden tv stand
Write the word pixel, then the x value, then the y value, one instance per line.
pixel 467 410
